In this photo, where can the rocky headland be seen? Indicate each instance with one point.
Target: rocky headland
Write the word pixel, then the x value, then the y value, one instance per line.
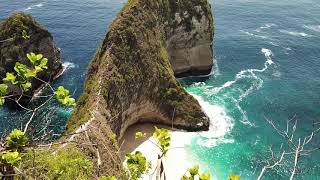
pixel 131 78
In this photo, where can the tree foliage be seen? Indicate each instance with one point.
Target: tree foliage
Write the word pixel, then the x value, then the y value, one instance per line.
pixel 140 135
pixel 163 139
pixel 23 74
pixel 137 165
pixel 233 177
pixel 64 98
pixel 10 158
pixel 16 139
pixel 193 173
pixel 63 164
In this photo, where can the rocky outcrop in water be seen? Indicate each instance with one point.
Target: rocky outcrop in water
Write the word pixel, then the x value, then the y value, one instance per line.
pixel 14 48
pixel 131 80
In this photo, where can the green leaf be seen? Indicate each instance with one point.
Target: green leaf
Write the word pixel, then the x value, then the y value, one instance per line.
pixel 186 178
pixel 21 71
pixel 233 177
pixel 32 58
pixel 38 61
pixel 38 69
pixel 204 176
pixel 25 35
pixel 194 171
pixel 39 57
pixel 10 78
pixel 137 165
pixel 64 98
pixel 11 158
pixel 31 73
pixel 140 135
pixel 113 137
pixel 106 178
pixel 43 63
pixel 163 139
pixel 68 101
pixel 2 101
pixel 3 89
pixel 16 139
pixel 26 87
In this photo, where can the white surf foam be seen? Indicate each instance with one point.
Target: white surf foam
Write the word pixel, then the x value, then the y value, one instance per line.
pixel 68 65
pixel 33 6
pixel 178 159
pixel 255 35
pixel 265 26
pixel 225 85
pixel 315 28
pixel 274 44
pixel 255 80
pixel 295 33
pixel 249 73
pixel 220 125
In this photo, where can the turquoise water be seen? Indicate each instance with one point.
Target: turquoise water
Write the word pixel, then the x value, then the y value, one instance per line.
pixel 268 61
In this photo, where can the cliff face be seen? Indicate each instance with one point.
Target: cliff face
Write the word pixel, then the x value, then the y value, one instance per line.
pixel 130 78
pixel 14 48
pixel 189 38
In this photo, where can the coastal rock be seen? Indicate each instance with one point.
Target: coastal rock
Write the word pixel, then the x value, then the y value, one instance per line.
pixel 14 48
pixel 130 79
pixel 190 37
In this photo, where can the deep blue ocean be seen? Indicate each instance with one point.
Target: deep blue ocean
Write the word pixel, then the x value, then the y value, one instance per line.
pixel 268 67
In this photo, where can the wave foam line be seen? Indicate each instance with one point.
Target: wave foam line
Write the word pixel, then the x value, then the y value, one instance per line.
pixel 255 35
pixel 34 6
pixel 295 33
pixel 266 26
pixel 256 84
pixel 242 74
pixel 315 28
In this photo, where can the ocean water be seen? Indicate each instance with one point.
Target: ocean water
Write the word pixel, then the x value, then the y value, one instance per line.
pixel 268 61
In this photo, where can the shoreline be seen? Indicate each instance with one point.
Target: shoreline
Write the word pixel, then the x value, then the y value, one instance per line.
pixel 179 158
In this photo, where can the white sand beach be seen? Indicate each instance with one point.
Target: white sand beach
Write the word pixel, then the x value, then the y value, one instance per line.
pixel 178 160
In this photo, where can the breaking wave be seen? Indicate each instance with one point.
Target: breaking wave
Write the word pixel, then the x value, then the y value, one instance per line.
pixel 220 125
pixel 33 6
pixel 68 65
pixel 295 33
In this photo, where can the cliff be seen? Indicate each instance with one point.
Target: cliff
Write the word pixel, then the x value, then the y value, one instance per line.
pixel 14 48
pixel 189 37
pixel 131 78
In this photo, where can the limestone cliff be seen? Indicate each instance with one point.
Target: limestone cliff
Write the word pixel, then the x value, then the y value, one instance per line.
pixel 131 80
pixel 13 47
pixel 189 37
